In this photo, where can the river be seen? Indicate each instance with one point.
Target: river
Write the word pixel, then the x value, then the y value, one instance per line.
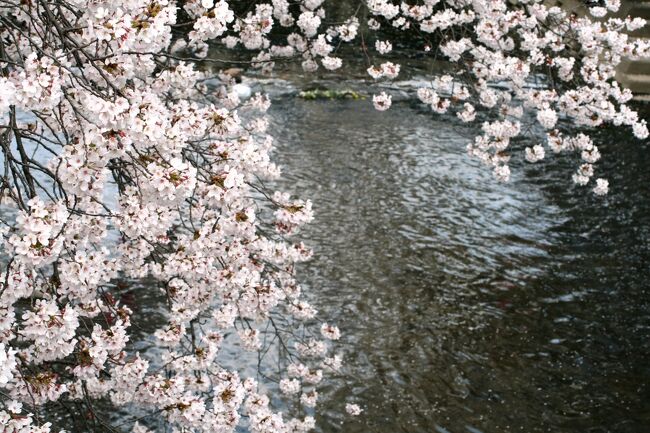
pixel 469 305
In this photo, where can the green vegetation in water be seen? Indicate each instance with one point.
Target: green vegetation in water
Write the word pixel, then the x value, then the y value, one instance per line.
pixel 330 94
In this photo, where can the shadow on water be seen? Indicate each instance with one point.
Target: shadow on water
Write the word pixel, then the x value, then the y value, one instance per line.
pixel 470 306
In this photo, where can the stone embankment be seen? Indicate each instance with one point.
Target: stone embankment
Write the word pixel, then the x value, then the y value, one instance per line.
pixel 633 74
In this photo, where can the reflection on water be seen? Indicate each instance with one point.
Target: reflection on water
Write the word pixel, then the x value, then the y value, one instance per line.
pixel 470 306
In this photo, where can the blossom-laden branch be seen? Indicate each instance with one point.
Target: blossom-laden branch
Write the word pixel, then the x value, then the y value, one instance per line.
pixel 122 169
pixel 517 59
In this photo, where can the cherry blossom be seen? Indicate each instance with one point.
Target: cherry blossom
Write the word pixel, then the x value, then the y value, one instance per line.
pixel 134 172
pixel 353 409
pixel 382 101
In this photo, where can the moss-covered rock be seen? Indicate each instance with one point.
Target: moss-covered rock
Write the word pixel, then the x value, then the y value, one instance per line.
pixel 330 94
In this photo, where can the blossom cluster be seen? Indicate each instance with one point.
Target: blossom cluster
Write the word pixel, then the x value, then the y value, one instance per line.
pixel 533 63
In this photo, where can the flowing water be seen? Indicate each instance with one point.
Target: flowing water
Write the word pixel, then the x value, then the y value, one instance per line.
pixel 468 305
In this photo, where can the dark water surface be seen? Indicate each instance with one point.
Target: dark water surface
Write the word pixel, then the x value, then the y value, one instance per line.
pixel 467 305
